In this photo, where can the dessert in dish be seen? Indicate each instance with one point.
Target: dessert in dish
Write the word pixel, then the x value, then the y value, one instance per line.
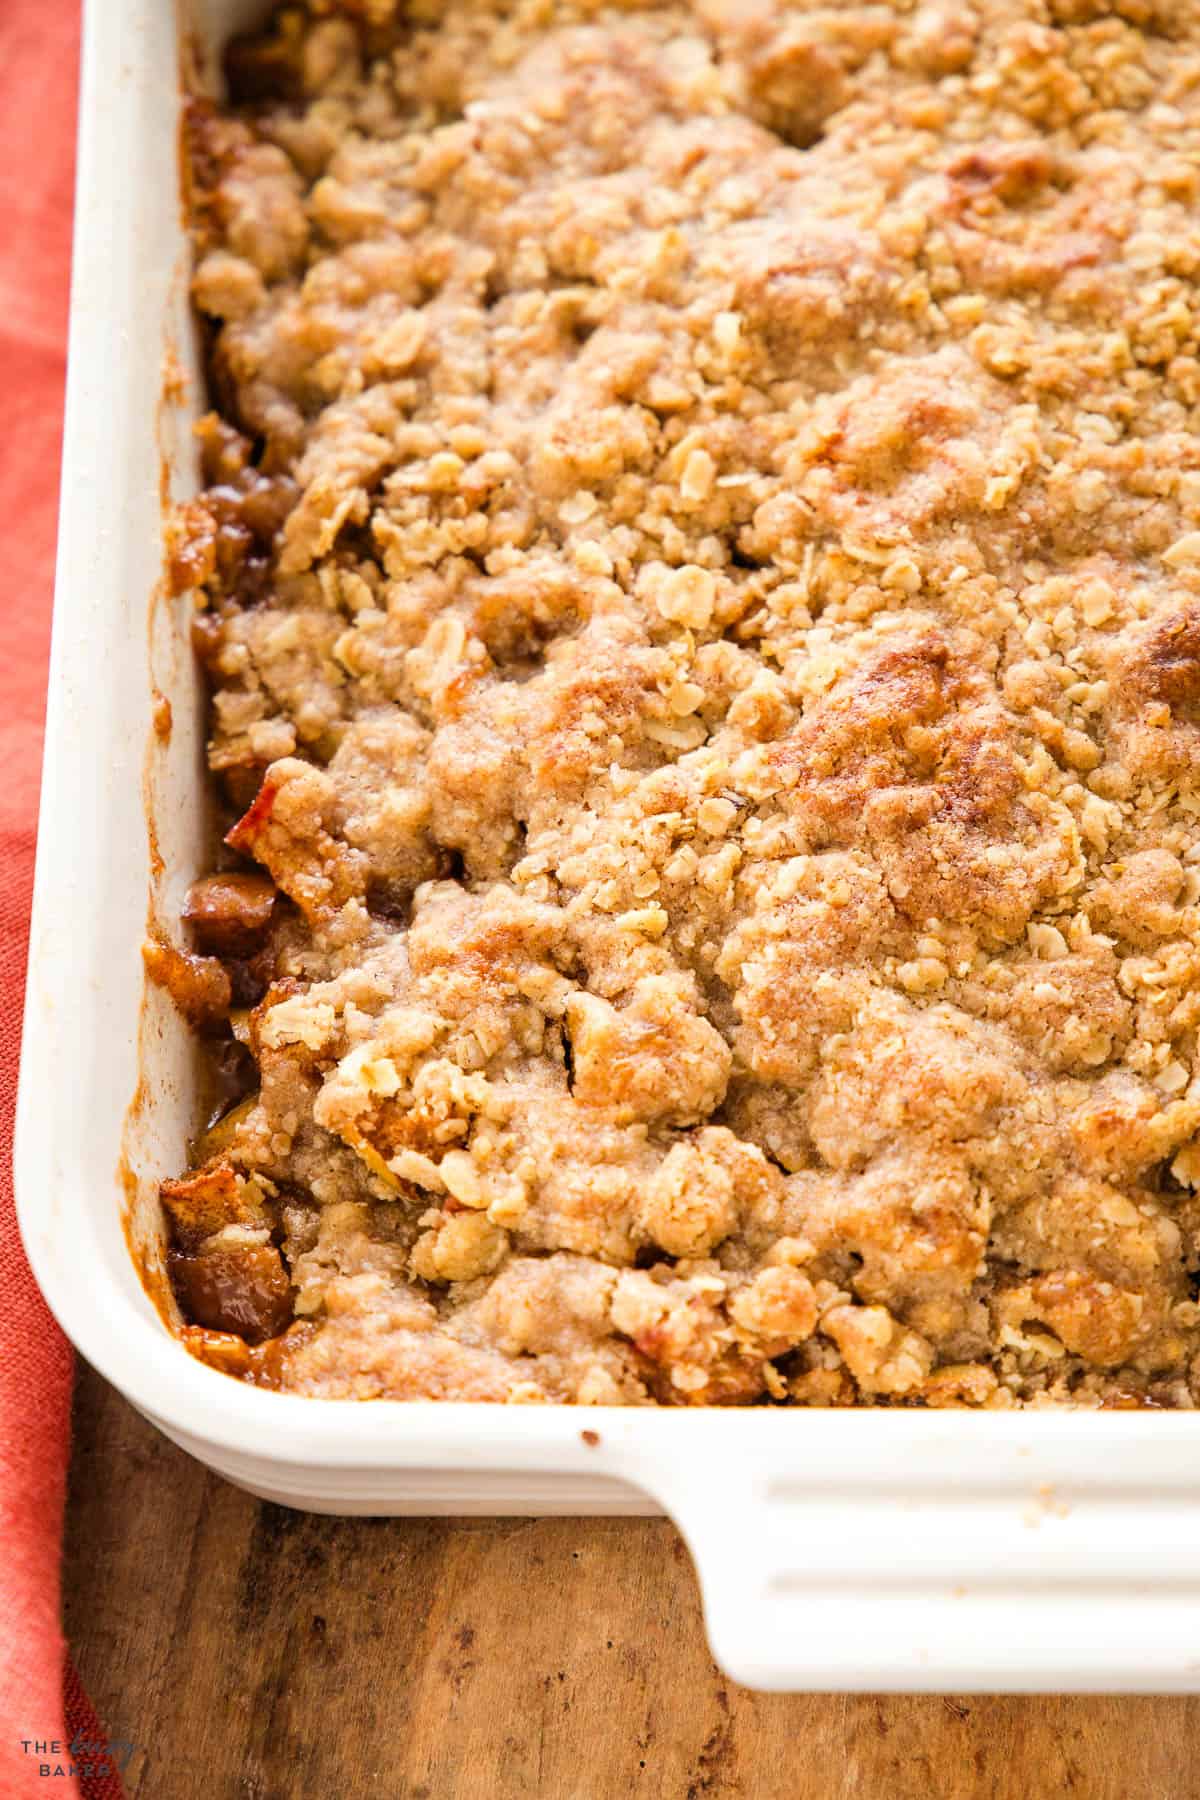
pixel 698 568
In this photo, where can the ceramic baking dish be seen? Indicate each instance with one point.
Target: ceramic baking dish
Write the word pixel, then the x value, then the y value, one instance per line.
pixel 863 1550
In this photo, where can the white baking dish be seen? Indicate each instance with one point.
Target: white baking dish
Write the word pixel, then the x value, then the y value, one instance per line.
pixel 871 1550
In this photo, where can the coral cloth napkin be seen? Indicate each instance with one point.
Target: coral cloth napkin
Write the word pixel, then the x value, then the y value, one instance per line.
pixel 43 1708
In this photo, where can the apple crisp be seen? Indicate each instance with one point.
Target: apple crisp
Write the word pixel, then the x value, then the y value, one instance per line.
pixel 698 570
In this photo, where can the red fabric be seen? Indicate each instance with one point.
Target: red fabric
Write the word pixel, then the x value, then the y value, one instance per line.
pixel 89 1749
pixel 38 55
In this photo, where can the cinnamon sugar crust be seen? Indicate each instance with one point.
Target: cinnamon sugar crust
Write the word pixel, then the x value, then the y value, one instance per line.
pixel 699 574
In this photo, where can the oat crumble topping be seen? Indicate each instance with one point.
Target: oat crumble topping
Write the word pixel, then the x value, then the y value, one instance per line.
pixel 699 573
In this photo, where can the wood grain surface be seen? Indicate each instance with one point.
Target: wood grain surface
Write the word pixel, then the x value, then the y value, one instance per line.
pixel 252 1653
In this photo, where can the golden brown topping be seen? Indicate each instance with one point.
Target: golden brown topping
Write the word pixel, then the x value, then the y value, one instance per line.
pixel 699 567
pixel 288 830
pixel 654 1059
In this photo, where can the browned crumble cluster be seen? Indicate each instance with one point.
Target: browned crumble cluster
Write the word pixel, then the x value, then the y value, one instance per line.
pixel 699 574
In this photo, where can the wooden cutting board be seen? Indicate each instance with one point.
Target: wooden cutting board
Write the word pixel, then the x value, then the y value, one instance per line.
pixel 251 1653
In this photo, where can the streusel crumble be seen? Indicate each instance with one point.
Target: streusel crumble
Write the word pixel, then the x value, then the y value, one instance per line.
pixel 699 574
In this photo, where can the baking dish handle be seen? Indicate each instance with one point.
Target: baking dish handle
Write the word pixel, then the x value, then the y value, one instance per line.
pixel 875 1578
